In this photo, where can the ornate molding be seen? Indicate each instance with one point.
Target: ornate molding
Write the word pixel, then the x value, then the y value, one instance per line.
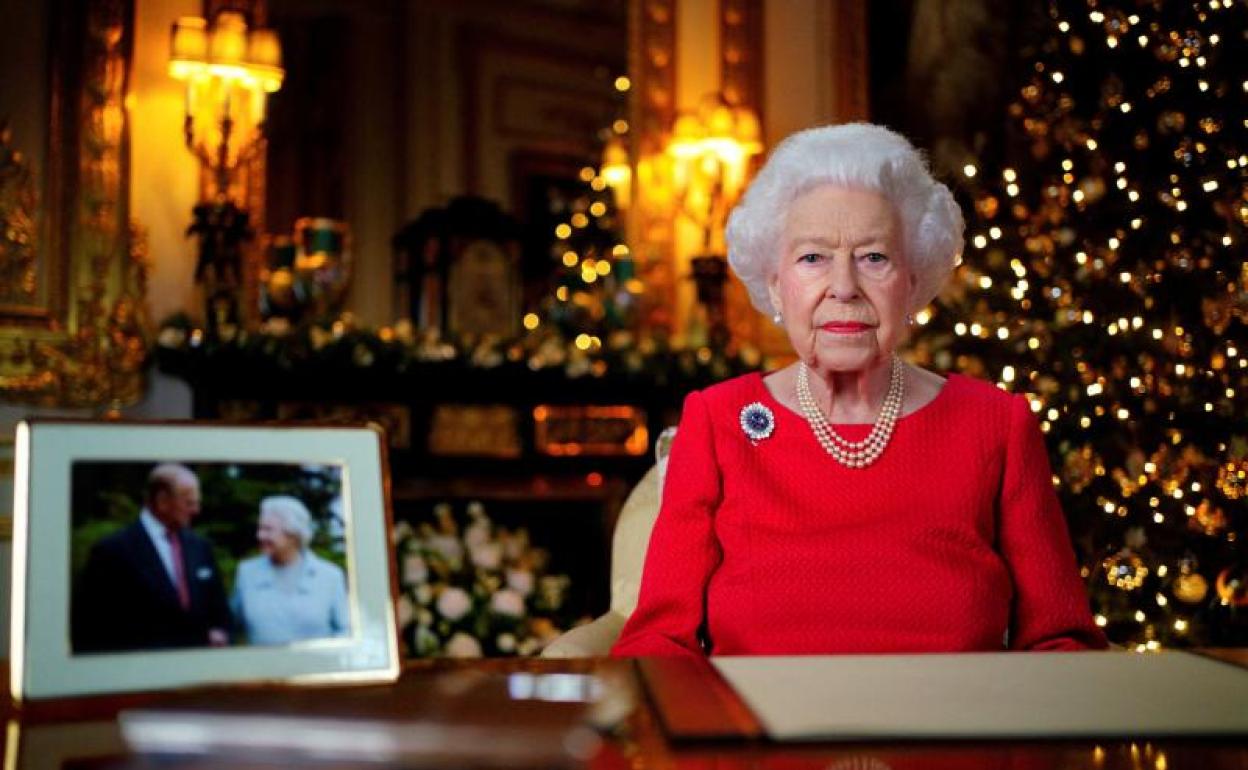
pixel 652 67
pixel 741 53
pixel 89 347
pixel 849 72
pixel 19 236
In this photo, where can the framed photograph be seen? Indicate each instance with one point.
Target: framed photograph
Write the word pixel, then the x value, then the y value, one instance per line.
pixel 161 555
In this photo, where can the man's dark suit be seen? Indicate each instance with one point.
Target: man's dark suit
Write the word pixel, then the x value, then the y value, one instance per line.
pixel 125 599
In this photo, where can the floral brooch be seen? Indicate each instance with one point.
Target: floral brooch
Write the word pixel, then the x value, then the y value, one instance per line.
pixel 757 421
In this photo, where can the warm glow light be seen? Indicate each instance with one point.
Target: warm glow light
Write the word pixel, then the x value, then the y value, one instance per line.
pixel 531 321
pixel 710 150
pixel 229 70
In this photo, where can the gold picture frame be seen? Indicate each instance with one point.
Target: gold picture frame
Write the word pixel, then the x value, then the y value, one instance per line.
pixel 74 268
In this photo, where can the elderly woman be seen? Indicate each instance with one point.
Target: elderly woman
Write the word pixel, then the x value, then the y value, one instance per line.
pixel 288 593
pixel 850 502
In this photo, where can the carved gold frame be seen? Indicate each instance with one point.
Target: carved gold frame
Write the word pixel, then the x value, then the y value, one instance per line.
pixel 72 291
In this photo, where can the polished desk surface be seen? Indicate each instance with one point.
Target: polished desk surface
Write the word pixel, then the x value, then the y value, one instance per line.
pixel 85 733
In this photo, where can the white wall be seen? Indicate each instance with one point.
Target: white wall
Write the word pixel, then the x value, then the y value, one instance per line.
pixel 164 175
pixel 798 71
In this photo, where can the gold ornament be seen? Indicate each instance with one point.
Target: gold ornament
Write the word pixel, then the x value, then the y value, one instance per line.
pixel 1232 587
pixel 1171 122
pixel 987 206
pixel 1190 588
pixel 1125 570
pixel 1207 519
pixel 1233 479
pixel 1217 312
pixel 1093 188
pixel 1079 468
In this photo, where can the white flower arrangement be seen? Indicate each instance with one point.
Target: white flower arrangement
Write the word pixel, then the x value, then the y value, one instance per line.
pixel 479 590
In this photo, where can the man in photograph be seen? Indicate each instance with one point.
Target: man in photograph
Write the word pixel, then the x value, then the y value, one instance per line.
pixel 155 583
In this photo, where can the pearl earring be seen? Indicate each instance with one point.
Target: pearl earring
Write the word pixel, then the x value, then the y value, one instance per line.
pixel 777 319
pixel 909 319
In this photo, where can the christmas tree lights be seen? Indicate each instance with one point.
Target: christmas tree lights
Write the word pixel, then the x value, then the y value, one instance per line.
pixel 1105 278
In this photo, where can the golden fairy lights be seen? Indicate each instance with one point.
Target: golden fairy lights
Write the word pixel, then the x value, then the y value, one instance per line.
pixel 1120 260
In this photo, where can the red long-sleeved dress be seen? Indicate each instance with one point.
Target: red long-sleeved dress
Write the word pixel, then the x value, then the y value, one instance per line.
pixel 953 540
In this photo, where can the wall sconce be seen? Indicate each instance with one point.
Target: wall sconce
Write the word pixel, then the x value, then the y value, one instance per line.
pixel 711 151
pixel 229 72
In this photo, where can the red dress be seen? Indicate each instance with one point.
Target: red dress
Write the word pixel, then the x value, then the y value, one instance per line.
pixel 953 540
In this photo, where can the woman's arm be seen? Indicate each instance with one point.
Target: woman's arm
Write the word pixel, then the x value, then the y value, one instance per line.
pixel 683 550
pixel 339 610
pixel 1050 608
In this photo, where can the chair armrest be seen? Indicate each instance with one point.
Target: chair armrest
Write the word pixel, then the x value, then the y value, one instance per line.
pixel 593 639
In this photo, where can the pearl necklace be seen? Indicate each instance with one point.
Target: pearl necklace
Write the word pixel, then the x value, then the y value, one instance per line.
pixel 854 454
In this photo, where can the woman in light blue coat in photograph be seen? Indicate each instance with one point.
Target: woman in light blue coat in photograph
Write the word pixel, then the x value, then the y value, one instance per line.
pixel 287 593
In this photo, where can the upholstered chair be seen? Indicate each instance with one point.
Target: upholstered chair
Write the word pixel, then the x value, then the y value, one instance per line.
pixel 628 557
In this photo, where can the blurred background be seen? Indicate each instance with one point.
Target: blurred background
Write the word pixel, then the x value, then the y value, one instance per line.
pixel 496 229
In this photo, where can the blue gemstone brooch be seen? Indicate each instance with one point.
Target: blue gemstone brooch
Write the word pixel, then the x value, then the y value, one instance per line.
pixel 757 421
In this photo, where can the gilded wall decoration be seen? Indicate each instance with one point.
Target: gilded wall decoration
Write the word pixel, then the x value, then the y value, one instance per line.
pixel 652 64
pixel 18 222
pixel 78 341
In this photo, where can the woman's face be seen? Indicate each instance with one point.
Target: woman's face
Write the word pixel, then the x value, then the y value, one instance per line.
pixel 275 542
pixel 843 285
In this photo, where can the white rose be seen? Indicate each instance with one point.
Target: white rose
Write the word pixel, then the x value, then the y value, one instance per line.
pixel 520 580
pixel 407 611
pixel 415 570
pixel 453 603
pixel 507 602
pixel 424 593
pixel 448 547
pixel 403 531
pixel 462 645
pixel 487 556
pixel 478 533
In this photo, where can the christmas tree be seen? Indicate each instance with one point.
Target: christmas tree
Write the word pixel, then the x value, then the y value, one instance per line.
pixel 1104 277
pixel 595 285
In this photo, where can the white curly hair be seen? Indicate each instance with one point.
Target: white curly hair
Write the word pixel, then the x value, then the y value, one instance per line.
pixel 292 513
pixel 860 155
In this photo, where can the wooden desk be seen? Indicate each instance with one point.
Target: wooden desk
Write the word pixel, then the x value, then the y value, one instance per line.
pixel 85 733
